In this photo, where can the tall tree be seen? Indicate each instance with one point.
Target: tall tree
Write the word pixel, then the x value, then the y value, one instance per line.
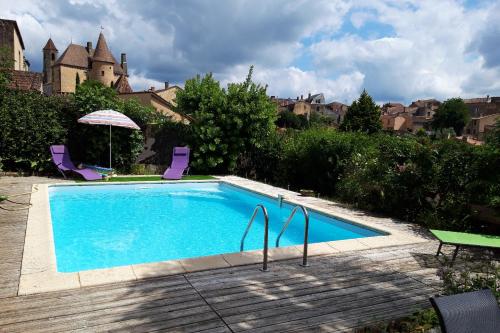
pixel 362 116
pixel 226 122
pixel 452 113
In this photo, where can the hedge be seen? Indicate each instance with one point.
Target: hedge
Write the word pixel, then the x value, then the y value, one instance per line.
pixel 433 182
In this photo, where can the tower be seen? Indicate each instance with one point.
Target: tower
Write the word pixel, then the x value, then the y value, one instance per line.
pixel 103 63
pixel 49 58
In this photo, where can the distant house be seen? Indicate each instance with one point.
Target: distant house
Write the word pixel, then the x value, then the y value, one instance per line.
pixel 423 113
pixel 335 111
pixel 478 126
pixel 297 106
pixel 169 93
pixel 78 63
pixel 162 100
pixel 483 106
pixel 11 39
pixel 397 117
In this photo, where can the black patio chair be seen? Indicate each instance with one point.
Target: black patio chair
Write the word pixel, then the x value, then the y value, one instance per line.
pixel 470 312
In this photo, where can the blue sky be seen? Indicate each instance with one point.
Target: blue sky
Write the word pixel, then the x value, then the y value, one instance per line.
pixel 399 50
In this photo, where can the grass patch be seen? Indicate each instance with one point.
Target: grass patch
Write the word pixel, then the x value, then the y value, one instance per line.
pixel 148 178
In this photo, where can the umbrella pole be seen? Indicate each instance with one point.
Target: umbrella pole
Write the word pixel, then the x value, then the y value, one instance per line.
pixel 110 147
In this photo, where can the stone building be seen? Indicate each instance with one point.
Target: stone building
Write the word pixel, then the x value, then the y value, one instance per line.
pixel 162 100
pixel 11 39
pixel 478 126
pixel 78 63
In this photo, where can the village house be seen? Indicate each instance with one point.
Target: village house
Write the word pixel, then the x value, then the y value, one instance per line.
pixel 162 100
pixel 79 63
pixel 297 106
pixel 485 112
pixel 312 103
pixel 479 126
pixel 12 44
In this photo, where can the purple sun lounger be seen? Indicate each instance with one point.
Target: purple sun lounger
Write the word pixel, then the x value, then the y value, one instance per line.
pixel 180 163
pixel 61 158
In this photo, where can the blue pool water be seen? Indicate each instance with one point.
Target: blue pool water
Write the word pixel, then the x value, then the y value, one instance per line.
pixel 101 226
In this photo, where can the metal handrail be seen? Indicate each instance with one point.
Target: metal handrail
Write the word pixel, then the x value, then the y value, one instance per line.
pixel 266 234
pixel 306 231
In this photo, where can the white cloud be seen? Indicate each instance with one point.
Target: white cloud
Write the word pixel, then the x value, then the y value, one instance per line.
pixel 427 58
pixel 435 49
pixel 292 82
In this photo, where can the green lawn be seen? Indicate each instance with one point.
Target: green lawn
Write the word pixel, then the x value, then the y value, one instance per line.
pixel 150 178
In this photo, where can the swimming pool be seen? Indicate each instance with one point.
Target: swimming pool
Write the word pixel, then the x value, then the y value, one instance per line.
pixel 102 226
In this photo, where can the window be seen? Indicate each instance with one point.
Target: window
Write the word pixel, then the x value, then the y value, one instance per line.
pixel 112 84
pixel 53 56
pixel 102 73
pixel 19 60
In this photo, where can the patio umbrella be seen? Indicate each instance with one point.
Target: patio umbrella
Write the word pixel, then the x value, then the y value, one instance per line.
pixel 109 118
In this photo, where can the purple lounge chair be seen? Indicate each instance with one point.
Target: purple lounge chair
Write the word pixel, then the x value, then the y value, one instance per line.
pixel 61 158
pixel 180 163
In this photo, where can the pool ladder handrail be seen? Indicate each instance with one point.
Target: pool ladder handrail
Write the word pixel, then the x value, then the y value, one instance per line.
pixel 266 234
pixel 306 231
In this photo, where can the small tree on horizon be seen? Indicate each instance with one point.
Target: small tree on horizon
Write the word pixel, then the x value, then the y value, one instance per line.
pixel 452 113
pixel 362 116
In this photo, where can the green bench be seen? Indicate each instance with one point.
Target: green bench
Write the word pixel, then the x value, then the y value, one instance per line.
pixel 464 239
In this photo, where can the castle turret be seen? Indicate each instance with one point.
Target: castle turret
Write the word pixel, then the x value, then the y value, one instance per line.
pixel 103 63
pixel 49 58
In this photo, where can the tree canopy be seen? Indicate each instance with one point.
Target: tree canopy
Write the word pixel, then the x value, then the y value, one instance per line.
pixel 362 116
pixel 452 113
pixel 226 122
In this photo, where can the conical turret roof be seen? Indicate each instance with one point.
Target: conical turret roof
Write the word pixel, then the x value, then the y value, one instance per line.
pixel 102 52
pixel 50 45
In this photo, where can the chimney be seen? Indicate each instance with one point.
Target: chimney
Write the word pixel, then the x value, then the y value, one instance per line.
pixel 301 97
pixel 166 84
pixel 297 97
pixel 89 47
pixel 273 97
pixel 309 95
pixel 124 63
pixel 152 89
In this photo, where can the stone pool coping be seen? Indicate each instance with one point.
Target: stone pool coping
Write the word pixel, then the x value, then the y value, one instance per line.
pixel 39 271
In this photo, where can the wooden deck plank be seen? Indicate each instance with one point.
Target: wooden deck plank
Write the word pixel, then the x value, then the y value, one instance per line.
pixel 337 292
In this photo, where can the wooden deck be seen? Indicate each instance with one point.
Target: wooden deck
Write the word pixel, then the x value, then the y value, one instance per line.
pixel 336 293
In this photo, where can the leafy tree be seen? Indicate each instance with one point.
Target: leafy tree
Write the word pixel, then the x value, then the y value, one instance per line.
pixel 90 143
pixel 452 113
pixel 362 116
pixel 30 123
pixel 226 123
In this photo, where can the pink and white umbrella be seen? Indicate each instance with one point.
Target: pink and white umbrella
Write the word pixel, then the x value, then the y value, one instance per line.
pixel 109 118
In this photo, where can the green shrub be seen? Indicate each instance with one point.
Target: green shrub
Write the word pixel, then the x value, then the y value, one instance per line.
pixel 225 122
pixel 30 123
pixel 413 178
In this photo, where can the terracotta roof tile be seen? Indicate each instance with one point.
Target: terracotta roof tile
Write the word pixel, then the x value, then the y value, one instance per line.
pixel 26 80
pixel 102 52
